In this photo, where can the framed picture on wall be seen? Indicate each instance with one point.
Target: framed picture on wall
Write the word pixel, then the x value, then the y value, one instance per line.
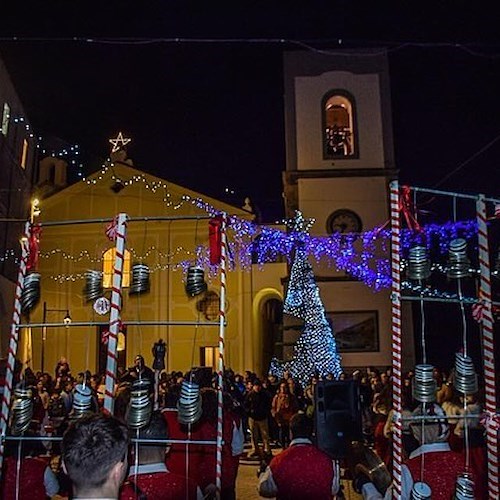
pixel 355 331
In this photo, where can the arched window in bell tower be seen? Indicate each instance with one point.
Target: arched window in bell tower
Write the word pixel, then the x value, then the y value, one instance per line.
pixel 339 125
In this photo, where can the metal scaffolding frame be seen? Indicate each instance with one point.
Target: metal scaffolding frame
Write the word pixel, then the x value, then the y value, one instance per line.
pixel 121 221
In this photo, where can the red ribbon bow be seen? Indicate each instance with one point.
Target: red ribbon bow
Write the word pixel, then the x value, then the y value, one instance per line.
pixel 407 208
pixel 477 311
pixel 105 334
pixel 112 229
pixel 490 420
pixel 215 239
pixel 33 247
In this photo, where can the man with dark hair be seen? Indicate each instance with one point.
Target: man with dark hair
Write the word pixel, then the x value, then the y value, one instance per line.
pixel 94 454
pixel 302 470
pixel 149 477
pixel 139 371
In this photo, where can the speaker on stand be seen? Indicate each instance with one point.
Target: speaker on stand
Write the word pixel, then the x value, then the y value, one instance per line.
pixel 337 416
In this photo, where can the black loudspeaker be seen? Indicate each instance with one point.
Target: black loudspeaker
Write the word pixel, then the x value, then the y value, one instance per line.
pixel 337 416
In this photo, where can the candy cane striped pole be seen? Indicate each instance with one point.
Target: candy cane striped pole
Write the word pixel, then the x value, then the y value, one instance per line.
pixel 13 343
pixel 397 455
pixel 488 346
pixel 115 314
pixel 220 371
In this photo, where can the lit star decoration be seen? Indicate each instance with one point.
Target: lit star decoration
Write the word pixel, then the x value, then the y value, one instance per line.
pixel 119 142
pixel 299 223
pixel 316 349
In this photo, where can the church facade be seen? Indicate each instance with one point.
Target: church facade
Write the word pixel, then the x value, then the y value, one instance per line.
pixel 164 232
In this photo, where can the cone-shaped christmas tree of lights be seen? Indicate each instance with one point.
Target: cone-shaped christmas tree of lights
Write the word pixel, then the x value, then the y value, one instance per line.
pixel 316 350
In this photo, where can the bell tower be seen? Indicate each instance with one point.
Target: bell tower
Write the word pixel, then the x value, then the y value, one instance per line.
pixel 339 162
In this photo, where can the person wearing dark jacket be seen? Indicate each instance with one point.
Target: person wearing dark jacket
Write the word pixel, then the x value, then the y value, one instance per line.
pixel 258 407
pixel 139 371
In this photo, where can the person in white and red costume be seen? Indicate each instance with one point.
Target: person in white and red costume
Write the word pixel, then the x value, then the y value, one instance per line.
pixel 441 464
pixel 302 470
pixel 149 478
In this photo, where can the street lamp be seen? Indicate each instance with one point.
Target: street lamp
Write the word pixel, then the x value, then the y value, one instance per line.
pixel 35 209
pixel 66 321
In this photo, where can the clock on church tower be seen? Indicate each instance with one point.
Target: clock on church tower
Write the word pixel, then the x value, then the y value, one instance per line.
pixel 344 221
pixel 340 161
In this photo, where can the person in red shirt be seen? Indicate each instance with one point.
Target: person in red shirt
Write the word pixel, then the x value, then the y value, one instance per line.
pixel 201 462
pixel 441 464
pixel 149 477
pixel 302 470
pixel 34 479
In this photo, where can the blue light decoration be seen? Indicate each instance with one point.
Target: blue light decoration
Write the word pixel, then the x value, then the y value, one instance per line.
pixel 364 256
pixel 316 350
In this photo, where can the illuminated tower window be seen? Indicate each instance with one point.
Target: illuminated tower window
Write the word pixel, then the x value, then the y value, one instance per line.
pixel 339 136
pixel 108 262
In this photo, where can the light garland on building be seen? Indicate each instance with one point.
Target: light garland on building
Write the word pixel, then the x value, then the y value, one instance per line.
pixel 152 186
pixel 363 256
pixel 85 255
pixel 71 154
pixel 9 255
pixel 25 124
pixel 428 292
pixel 62 278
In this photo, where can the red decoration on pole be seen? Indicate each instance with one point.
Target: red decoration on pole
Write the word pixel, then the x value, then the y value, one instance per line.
pixel 490 421
pixel 105 333
pixel 105 337
pixel 407 208
pixel 112 229
pixel 214 238
pixel 34 247
pixel 477 311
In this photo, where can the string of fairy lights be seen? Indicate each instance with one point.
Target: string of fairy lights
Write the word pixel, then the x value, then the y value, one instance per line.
pixel 363 256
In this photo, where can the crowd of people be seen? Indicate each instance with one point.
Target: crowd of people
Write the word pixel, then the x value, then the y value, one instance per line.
pixel 265 412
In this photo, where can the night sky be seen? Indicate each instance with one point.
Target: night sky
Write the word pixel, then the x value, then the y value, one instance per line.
pixel 209 115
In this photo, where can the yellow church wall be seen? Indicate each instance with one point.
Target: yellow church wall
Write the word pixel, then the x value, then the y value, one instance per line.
pixel 62 278
pixel 364 195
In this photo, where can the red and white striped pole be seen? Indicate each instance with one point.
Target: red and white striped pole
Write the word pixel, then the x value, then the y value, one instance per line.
pixel 220 371
pixel 397 454
pixel 115 313
pixel 488 348
pixel 13 342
